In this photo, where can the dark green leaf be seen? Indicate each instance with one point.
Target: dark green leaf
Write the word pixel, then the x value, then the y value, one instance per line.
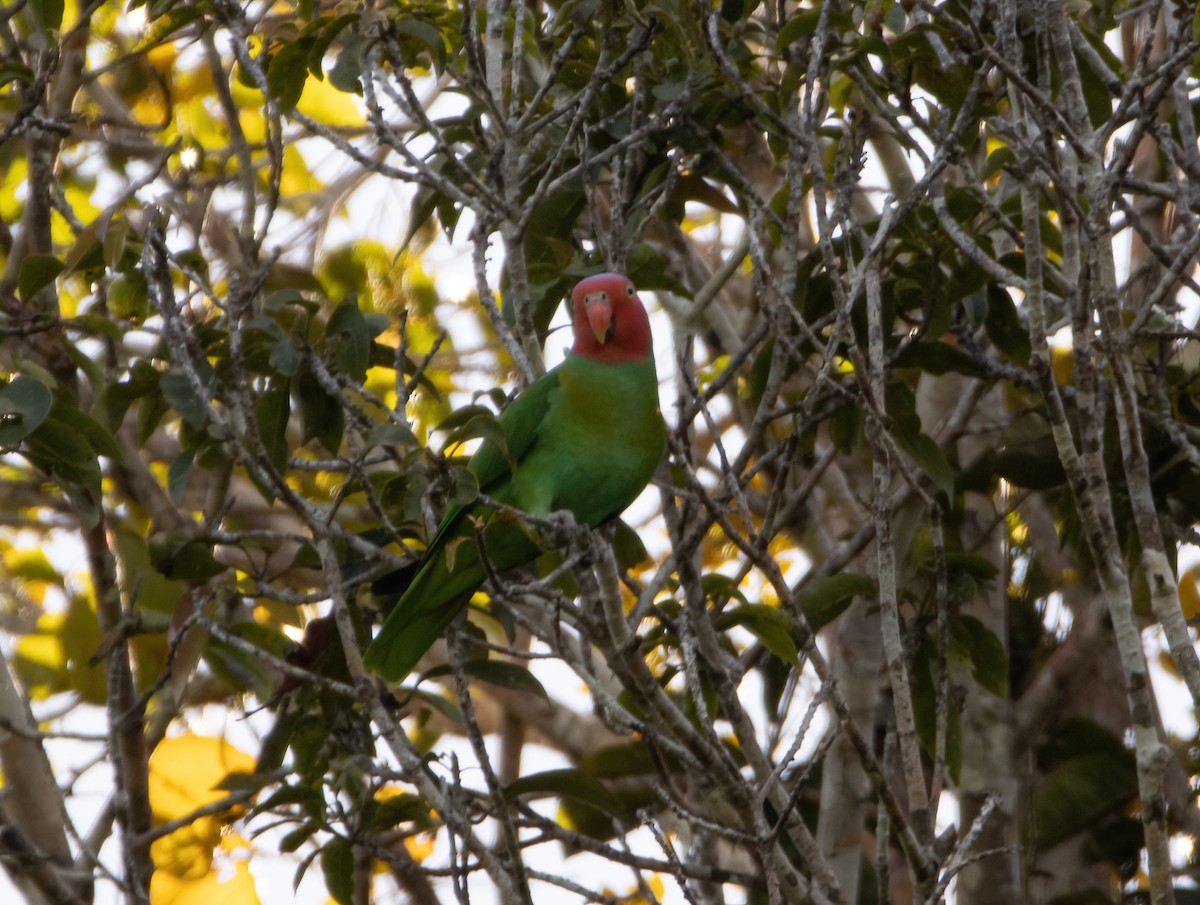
pixel 932 460
pixel 984 652
pixel 346 74
pixel 24 404
pixel 769 625
pixel 286 74
pixel 47 15
pixel 391 433
pixel 427 35
pixel 337 864
pixel 801 25
pixel 12 71
pixel 824 599
pixel 925 700
pixel 1078 793
pixel 976 566
pixel 845 426
pixel 1005 328
pixel 567 783
pixel 164 26
pixel 285 360
pixel 506 675
pixel 348 339
pixel 398 809
pixel 628 546
pixel 181 396
pixel 320 415
pixel 938 358
pixel 324 38
pixel 272 410
pixel 37 272
pixel 183 558
pixel 177 475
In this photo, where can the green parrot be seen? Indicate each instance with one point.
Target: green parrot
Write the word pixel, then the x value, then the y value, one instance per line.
pixel 584 438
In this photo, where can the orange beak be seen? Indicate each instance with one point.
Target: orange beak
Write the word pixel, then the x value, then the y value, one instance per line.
pixel 599 313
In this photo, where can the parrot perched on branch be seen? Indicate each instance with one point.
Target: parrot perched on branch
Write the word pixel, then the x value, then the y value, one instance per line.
pixel 584 438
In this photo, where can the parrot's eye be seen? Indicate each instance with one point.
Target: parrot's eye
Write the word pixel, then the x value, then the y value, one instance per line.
pixel 629 288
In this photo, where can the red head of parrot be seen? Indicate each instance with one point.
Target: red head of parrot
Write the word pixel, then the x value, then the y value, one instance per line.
pixel 610 323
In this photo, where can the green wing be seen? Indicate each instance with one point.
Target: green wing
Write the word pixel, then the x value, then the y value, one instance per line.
pixel 452 568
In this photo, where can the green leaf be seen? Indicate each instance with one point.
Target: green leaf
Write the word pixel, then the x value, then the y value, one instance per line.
pixel 1079 793
pixel 47 15
pixel 566 783
pixel 938 358
pixel 824 599
pixel 177 475
pixel 337 863
pixel 323 39
pixel 285 360
pixel 924 699
pixel 12 71
pixel 506 675
pixel 129 296
pixel 391 433
pixel 932 460
pixel 402 808
pixel 177 390
pixel 183 558
pixel 37 272
pixel 628 546
pixel 768 624
pixel 99 437
pixel 427 35
pixel 272 410
pixel 984 652
pixel 1005 328
pixel 164 26
pixel 845 427
pixel 321 416
pixel 346 74
pixel 348 339
pixel 626 759
pixel 287 73
pixel 24 404
pixel 437 701
pixel 976 566
pixel 801 25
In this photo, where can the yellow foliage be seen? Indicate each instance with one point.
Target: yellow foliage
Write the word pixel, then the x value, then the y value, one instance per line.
pixel 296 178
pixel 56 657
pixel 329 106
pixel 184 772
pixel 1189 593
pixel 419 847
pixel 1062 364
pixel 232 886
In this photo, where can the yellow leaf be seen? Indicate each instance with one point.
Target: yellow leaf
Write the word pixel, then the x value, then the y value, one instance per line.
pixel 1189 593
pixel 1062 364
pixel 329 106
pixel 184 772
pixel 419 847
pixel 187 853
pixel 56 657
pixel 233 886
